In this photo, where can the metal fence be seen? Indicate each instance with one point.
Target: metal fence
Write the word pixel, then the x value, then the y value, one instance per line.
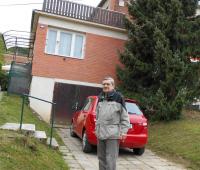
pixel 24 96
pixel 84 12
pixel 19 78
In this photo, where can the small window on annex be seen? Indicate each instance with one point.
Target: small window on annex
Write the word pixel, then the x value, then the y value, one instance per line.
pixel 65 43
pixel 121 3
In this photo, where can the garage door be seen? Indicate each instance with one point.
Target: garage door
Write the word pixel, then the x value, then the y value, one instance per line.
pixel 66 96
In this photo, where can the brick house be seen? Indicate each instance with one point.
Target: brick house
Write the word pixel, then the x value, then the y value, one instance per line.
pixel 75 47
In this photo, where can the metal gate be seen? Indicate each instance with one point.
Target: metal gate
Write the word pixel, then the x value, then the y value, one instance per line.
pixel 66 96
pixel 19 78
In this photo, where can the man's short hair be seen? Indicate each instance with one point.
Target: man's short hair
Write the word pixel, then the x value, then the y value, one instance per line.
pixel 111 80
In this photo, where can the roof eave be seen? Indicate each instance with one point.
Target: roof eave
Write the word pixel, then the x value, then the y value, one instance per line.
pixel 34 20
pixel 38 13
pixel 101 3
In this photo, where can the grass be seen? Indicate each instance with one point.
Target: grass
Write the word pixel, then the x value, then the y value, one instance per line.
pixel 178 140
pixel 21 152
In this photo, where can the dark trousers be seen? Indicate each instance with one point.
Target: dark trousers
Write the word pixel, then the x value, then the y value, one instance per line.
pixel 107 151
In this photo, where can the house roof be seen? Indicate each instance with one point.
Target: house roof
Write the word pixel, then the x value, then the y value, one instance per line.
pixel 101 3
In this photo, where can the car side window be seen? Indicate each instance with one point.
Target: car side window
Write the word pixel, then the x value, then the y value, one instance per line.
pixel 87 104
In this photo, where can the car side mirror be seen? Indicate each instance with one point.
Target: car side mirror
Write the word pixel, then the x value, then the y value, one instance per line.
pixel 75 107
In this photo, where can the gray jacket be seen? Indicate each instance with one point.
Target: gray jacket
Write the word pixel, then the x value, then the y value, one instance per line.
pixel 112 117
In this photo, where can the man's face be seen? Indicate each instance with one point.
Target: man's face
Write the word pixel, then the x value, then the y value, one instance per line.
pixel 107 86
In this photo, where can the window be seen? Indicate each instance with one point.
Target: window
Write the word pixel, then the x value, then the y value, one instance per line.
pixel 121 3
pixel 78 46
pixel 64 43
pixel 132 108
pixel 87 104
pixel 51 41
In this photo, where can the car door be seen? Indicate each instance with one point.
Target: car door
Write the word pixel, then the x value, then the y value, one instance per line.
pixel 83 115
pixel 75 118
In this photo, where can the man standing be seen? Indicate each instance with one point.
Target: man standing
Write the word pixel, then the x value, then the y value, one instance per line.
pixel 112 124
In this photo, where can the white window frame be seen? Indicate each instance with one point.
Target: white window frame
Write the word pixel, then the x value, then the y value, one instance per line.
pixel 121 3
pixel 72 43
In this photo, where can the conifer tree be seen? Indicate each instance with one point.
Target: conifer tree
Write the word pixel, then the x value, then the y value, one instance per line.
pixel 3 75
pixel 163 36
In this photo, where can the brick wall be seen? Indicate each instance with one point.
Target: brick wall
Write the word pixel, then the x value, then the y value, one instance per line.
pixel 101 58
pixel 114 5
pixel 9 58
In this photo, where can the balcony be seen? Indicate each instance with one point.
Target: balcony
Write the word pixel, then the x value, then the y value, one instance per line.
pixel 84 12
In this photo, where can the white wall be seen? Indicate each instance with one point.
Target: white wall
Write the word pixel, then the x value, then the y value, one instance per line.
pixel 81 27
pixel 42 87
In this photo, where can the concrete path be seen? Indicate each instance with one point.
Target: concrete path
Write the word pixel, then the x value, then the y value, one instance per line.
pixel 77 160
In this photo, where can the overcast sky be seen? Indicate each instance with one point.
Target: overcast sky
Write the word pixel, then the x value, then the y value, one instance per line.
pixel 18 17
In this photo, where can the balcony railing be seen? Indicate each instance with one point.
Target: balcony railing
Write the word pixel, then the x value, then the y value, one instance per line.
pixel 84 12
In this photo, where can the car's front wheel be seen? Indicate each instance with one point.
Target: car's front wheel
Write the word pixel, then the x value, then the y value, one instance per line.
pixel 72 133
pixel 86 146
pixel 139 151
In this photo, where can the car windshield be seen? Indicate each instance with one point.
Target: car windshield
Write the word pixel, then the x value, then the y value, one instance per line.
pixel 132 108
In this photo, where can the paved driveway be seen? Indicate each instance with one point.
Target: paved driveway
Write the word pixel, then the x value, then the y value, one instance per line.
pixel 77 160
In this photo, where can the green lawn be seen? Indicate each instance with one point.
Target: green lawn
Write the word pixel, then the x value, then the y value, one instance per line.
pixel 178 140
pixel 20 152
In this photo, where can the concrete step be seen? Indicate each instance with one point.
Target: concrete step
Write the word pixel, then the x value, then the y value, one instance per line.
pixel 41 136
pixel 28 129
pixel 10 126
pixel 54 143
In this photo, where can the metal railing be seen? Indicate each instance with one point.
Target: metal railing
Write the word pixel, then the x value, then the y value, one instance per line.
pixel 24 96
pixel 19 39
pixel 84 12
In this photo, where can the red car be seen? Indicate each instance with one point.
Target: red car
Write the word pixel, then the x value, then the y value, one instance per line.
pixel 83 126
